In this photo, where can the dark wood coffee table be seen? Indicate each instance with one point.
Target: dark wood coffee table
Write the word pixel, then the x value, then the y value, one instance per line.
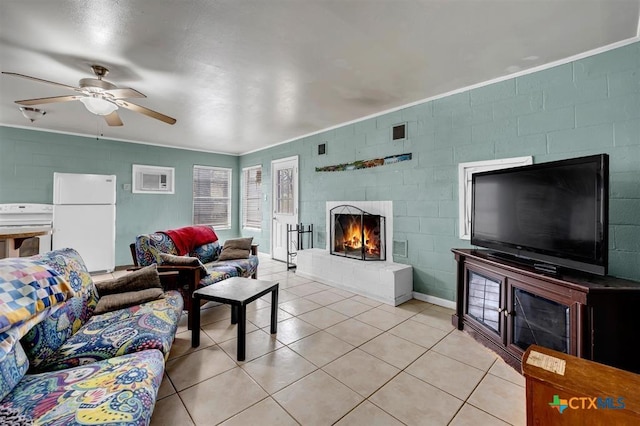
pixel 237 292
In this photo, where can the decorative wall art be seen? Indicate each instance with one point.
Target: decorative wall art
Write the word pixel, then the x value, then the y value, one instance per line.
pixel 366 164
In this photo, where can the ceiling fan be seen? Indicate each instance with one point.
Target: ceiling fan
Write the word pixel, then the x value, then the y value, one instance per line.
pixel 99 97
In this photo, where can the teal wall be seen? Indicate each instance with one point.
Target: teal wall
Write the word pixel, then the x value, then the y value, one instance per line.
pixel 585 107
pixel 29 158
pixel 581 108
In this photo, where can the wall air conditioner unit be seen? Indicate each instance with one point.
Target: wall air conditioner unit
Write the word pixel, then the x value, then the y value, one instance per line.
pixel 153 179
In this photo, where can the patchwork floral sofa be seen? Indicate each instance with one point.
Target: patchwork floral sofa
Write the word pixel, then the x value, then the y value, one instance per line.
pixel 147 250
pixel 71 366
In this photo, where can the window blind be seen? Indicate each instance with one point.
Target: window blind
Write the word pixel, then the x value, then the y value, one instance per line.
pixel 252 197
pixel 212 196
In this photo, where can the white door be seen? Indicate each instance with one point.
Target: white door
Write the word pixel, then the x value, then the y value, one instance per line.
pixel 284 182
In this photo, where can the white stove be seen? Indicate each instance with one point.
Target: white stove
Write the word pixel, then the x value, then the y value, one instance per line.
pixel 24 218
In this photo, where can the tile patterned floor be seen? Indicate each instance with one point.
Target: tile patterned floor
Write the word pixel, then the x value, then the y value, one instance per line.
pixel 338 358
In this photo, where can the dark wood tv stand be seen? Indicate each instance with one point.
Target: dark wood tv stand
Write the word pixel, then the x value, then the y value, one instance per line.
pixel 598 316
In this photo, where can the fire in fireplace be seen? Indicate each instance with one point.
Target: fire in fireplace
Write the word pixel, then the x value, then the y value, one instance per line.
pixel 357 234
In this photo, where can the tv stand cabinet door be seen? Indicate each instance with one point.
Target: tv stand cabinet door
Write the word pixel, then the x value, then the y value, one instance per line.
pixel 547 317
pixel 484 302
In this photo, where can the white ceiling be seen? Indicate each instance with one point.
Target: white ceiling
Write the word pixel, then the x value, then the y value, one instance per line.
pixel 240 75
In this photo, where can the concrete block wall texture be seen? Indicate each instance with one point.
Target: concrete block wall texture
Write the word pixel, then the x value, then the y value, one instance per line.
pixel 585 107
pixel 580 108
pixel 29 158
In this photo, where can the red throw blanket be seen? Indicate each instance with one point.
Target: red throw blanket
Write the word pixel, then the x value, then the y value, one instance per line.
pixel 188 238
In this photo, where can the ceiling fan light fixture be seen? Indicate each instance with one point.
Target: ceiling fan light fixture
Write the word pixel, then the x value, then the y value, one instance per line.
pixel 98 106
pixel 32 113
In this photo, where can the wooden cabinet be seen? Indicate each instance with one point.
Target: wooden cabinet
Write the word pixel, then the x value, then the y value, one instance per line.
pixel 564 390
pixel 508 306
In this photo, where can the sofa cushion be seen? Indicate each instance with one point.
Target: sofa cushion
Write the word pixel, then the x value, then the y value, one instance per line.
pixel 11 337
pixel 131 289
pixel 236 248
pixel 27 287
pixel 171 259
pixel 140 279
pixel 218 274
pixel 113 302
pixel 221 270
pixel 116 391
pixel 151 325
pixel 50 333
pixel 245 267
pixel 207 252
pixel 149 246
pixel 12 369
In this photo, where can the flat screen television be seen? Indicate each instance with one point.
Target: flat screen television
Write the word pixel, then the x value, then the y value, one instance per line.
pixel 553 215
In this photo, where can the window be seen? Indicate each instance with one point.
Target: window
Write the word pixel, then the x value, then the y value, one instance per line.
pixel 465 173
pixel 212 196
pixel 252 197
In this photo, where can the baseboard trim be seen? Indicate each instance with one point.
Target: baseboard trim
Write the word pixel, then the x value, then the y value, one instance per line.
pixel 123 267
pixel 435 300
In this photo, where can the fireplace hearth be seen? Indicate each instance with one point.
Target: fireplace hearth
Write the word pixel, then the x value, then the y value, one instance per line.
pixel 357 234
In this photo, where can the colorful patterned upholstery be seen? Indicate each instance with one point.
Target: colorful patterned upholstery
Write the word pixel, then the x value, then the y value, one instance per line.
pixel 48 335
pixel 117 391
pixel 12 369
pixel 106 368
pixel 151 325
pixel 26 288
pixel 11 337
pixel 219 271
pixel 207 252
pixel 245 267
pixel 216 275
pixel 149 247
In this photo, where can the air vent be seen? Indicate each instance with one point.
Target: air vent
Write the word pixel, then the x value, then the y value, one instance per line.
pixel 400 248
pixel 322 149
pixel 399 132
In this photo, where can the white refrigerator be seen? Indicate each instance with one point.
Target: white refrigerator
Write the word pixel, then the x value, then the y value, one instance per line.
pixel 84 217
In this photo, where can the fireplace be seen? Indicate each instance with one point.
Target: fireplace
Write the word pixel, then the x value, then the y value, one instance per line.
pixel 357 234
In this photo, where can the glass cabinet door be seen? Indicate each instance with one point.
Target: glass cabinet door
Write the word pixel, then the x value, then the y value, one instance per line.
pixel 539 320
pixel 483 303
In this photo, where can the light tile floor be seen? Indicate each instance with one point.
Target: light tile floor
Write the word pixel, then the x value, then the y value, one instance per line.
pixel 338 358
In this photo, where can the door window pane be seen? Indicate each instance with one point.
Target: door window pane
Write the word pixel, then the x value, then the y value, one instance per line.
pixel 284 193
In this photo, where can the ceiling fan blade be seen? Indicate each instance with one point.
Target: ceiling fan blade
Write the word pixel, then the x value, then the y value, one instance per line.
pixel 113 119
pixel 146 111
pixel 40 101
pixel 125 92
pixel 40 80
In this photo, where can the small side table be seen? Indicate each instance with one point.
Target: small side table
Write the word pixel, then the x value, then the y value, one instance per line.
pixel 237 292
